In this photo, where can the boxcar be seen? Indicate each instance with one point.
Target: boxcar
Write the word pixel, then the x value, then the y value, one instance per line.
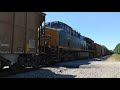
pixel 98 50
pixel 18 35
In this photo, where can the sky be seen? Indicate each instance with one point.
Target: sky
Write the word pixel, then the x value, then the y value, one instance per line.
pixel 102 27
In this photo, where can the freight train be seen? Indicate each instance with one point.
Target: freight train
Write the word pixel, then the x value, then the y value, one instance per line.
pixel 71 44
pixel 26 40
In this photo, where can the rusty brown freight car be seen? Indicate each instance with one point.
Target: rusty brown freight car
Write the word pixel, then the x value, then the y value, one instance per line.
pixel 97 49
pixel 19 34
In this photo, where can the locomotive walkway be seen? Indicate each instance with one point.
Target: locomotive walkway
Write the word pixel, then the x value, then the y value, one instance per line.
pixel 92 68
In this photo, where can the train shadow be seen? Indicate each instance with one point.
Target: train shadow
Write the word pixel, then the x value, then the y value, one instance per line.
pixel 33 73
pixel 79 63
pixel 73 64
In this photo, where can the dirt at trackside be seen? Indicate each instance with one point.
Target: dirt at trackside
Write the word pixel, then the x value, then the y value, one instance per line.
pixel 95 68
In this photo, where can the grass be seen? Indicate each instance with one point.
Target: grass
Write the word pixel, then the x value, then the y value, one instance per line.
pixel 114 57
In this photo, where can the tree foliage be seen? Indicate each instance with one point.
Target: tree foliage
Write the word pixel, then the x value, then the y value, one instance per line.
pixel 117 49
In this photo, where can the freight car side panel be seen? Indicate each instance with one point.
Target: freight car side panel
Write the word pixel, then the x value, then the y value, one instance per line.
pixel 19 32
pixel 31 41
pixel 5 32
pixel 25 33
pixel 103 51
pixel 19 39
pixel 33 22
pixel 98 50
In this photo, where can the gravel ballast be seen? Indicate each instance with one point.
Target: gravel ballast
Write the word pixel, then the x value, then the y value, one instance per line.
pixel 76 69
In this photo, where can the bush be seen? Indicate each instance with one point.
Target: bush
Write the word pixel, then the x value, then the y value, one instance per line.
pixel 117 49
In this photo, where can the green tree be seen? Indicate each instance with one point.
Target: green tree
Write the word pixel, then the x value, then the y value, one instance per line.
pixel 117 49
